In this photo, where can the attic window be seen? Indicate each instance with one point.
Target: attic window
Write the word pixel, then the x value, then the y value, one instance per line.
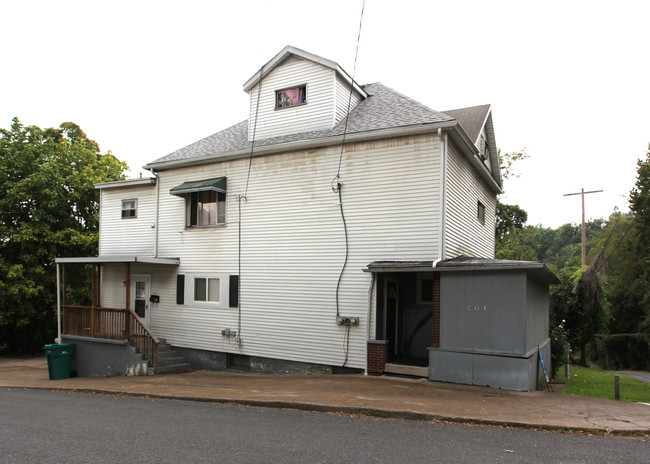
pixel 293 96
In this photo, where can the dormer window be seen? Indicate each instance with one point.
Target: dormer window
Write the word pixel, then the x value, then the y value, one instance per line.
pixel 293 96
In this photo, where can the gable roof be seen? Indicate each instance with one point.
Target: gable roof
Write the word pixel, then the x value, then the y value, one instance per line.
pixel 385 113
pixel 384 109
pixel 289 51
pixel 472 119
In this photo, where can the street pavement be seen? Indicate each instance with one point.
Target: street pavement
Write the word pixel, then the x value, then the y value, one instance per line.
pixel 357 394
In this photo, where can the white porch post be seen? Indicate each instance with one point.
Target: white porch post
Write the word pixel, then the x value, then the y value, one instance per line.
pixel 58 302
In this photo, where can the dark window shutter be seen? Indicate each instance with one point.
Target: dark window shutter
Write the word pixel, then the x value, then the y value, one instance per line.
pixel 234 291
pixel 180 289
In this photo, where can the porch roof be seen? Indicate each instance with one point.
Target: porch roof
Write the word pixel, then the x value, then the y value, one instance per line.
pixel 217 184
pixel 118 259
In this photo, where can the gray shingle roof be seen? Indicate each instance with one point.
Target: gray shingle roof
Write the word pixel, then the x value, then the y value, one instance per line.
pixel 471 119
pixel 383 109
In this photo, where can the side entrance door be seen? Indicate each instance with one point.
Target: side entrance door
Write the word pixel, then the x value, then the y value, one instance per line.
pixel 140 293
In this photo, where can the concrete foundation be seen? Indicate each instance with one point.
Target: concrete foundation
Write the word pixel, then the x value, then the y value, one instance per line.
pixel 97 357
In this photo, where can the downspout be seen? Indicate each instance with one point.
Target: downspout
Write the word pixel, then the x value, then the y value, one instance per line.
pixel 443 195
pixel 155 242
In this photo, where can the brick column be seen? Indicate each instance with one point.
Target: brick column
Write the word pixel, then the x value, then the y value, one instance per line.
pixel 377 355
pixel 436 310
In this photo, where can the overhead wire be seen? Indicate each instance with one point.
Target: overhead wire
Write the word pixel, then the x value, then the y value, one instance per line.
pixel 337 185
pixel 241 198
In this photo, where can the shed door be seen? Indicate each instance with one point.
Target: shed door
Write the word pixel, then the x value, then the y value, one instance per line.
pixel 140 293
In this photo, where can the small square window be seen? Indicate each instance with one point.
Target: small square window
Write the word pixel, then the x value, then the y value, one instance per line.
pixel 293 96
pixel 480 214
pixel 129 209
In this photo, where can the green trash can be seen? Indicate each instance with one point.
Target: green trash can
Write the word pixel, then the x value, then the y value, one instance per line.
pixel 59 360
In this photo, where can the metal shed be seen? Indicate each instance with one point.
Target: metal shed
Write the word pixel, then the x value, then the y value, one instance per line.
pixel 493 318
pixel 488 318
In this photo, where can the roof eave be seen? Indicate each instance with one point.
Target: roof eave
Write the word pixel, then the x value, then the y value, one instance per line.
pixel 147 181
pixel 289 50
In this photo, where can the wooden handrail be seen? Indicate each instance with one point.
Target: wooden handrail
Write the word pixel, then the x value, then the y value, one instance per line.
pixel 112 324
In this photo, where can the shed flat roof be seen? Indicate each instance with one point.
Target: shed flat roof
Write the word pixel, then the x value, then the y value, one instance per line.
pixel 465 263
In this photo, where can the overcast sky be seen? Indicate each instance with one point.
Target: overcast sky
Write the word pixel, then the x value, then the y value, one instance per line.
pixel 568 80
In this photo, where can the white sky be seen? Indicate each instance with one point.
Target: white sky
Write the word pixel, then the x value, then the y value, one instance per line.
pixel 567 79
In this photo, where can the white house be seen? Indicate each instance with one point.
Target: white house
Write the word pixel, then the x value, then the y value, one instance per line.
pixel 258 246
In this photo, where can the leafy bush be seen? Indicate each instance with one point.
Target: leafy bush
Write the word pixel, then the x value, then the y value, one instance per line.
pixel 622 351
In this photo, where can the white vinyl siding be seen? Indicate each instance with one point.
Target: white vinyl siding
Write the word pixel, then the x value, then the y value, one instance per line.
pixel 316 113
pixel 464 233
pixel 293 246
pixel 134 236
pixel 343 99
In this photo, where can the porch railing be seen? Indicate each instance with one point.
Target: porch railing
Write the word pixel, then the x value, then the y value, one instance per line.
pixel 112 324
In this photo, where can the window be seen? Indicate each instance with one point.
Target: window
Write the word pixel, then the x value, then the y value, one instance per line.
pixel 205 201
pixel 480 213
pixel 206 208
pixel 290 97
pixel 207 289
pixel 129 209
pixel 213 290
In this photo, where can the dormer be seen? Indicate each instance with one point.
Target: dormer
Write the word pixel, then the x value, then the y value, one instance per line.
pixel 300 92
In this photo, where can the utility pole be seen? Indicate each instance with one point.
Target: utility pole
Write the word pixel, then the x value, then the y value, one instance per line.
pixel 582 193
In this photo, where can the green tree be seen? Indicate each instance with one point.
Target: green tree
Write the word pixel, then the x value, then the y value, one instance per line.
pixel 640 232
pixel 512 238
pixel 48 208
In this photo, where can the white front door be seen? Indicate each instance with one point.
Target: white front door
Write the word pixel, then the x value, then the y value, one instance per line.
pixel 140 293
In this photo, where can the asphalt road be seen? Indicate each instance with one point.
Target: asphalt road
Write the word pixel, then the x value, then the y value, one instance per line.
pixel 52 427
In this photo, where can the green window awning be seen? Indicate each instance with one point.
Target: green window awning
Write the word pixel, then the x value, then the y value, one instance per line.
pixel 218 184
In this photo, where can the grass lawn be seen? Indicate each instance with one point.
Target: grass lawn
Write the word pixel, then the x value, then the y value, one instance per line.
pixel 600 384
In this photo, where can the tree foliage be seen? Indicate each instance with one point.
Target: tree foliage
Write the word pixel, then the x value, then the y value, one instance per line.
pixel 48 208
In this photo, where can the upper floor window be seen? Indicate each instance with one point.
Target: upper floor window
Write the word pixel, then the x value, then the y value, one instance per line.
pixel 291 97
pixel 205 201
pixel 129 209
pixel 207 208
pixel 480 212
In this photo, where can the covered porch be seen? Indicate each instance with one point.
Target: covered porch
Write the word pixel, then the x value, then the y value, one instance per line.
pixel 110 324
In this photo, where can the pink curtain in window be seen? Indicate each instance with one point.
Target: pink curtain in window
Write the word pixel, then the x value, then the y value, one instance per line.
pixel 295 96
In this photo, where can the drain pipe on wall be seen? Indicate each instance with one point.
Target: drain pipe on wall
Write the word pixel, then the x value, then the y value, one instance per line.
pixel 155 226
pixel 443 195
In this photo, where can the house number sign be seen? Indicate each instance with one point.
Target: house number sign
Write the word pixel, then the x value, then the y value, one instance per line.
pixel 477 307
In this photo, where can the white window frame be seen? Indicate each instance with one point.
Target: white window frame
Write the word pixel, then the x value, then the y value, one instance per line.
pixel 224 290
pixel 134 209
